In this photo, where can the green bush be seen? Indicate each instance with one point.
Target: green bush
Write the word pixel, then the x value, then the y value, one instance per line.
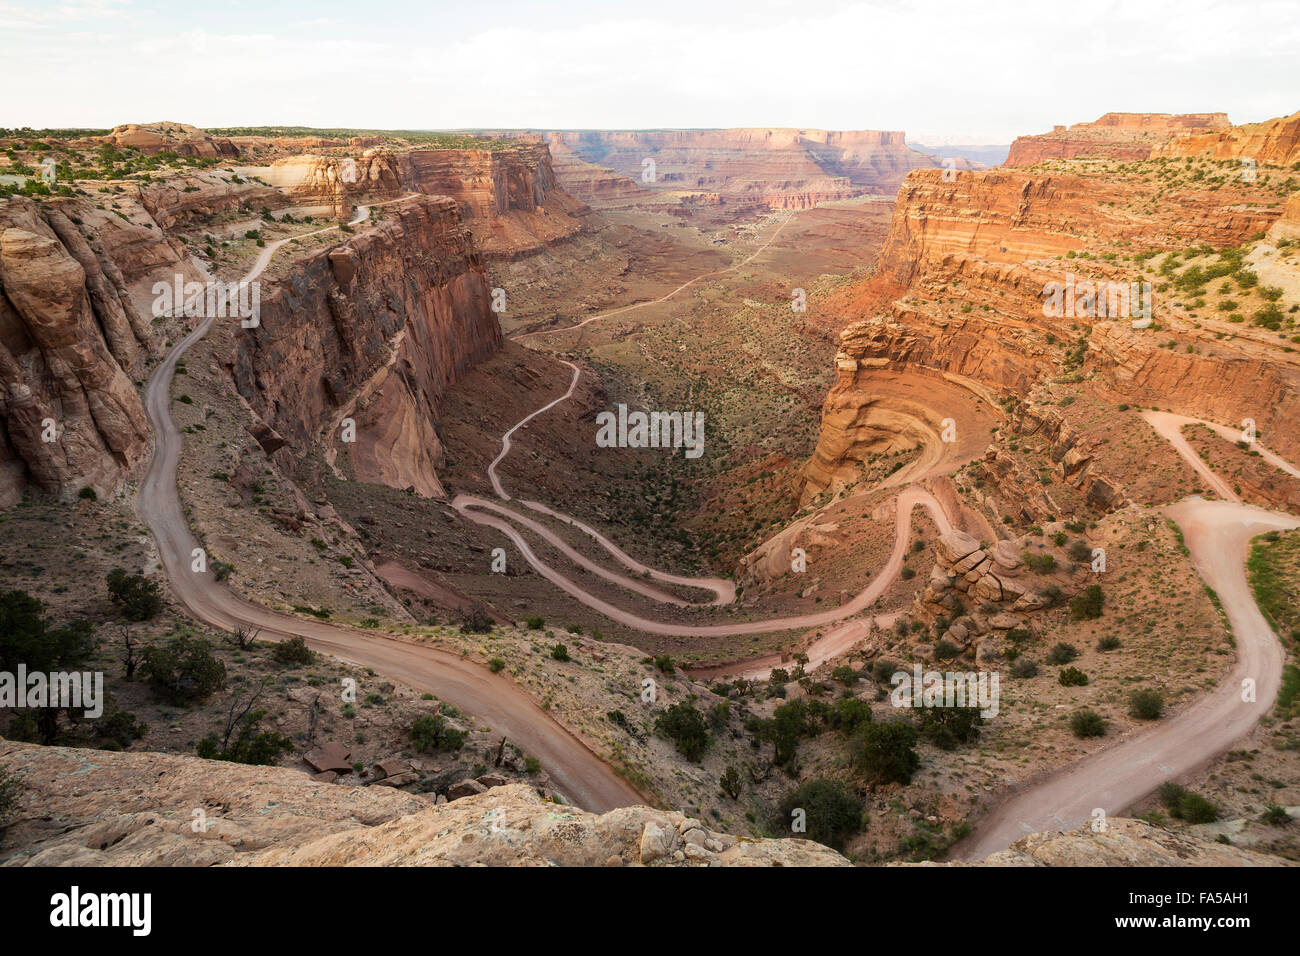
pixel 946 727
pixel 560 653
pixel 535 623
pixel 1086 606
pixel 831 813
pixel 138 598
pixel 251 745
pixel 885 752
pixel 292 653
pixel 686 727
pixel 496 665
pixel 846 675
pixel 1185 805
pixel 1062 653
pixel 1087 723
pixel 431 732
pixel 1109 643
pixel 1072 677
pixel 1146 704
pixel 945 650
pixel 184 671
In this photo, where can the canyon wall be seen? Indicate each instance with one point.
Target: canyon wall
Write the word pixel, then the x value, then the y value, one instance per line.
pixel 958 295
pixel 1275 142
pixel 1124 136
pixel 179 138
pixel 377 329
pixel 509 198
pixel 778 168
pixel 71 342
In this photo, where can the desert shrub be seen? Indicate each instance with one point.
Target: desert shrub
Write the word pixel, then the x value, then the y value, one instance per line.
pixel 1185 805
pixel 1024 668
pixel 183 671
pixel 885 752
pixel 1086 606
pixel 1040 563
pixel 476 620
pixel 945 650
pixel 1276 816
pixel 431 732
pixel 848 714
pixel 830 812
pixel 686 728
pixel 1087 723
pixel 535 623
pixel 121 728
pixel 134 595
pixel 1146 704
pixel 292 653
pixel 846 675
pixel 665 664
pixel 496 665
pixel 882 670
pixel 1072 677
pixel 560 653
pixel 1109 643
pixel 1080 551
pixel 251 745
pixel 946 727
pixel 1062 653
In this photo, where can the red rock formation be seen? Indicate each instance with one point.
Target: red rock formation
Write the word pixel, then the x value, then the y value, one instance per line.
pixel 597 185
pixel 958 294
pixel 1275 142
pixel 780 168
pixel 376 329
pixel 67 332
pixel 1114 136
pixel 509 198
pixel 178 138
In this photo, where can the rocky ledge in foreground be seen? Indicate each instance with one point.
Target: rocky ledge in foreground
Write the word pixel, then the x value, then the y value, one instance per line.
pixel 96 808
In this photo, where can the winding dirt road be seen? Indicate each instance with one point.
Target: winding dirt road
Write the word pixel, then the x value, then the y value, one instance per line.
pixel 576 771
pixel 1218 534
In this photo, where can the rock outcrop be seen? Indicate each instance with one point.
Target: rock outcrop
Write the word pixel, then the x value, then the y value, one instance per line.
pixel 776 168
pixel 179 138
pixel 376 329
pixel 95 808
pixel 509 198
pixel 1275 142
pixel 70 339
pixel 1123 136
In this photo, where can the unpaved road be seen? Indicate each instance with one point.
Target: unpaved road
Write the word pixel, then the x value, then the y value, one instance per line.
pixel 574 768
pixel 1218 534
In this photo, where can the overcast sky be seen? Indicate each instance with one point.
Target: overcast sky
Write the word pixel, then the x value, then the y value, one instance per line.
pixel 955 71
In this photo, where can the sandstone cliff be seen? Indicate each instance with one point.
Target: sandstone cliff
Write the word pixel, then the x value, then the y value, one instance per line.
pixel 95 808
pixel 179 138
pixel 1113 136
pixel 777 168
pixel 376 329
pixel 70 342
pixel 958 291
pixel 510 198
pixel 1275 142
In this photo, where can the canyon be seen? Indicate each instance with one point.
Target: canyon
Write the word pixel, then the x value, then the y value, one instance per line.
pixel 354 459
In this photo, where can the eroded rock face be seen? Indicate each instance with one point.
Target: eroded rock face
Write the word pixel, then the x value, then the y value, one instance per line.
pixel 959 292
pixel 509 198
pixel 179 138
pixel 376 329
pixel 1275 142
pixel 1123 136
pixel 775 168
pixel 69 336
pixel 96 808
